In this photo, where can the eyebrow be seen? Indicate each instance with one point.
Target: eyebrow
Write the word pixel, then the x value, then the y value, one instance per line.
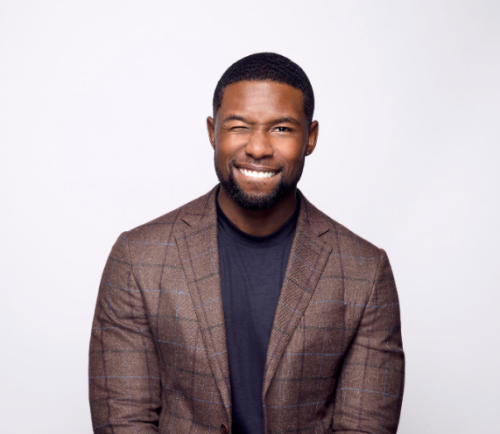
pixel 232 117
pixel 286 119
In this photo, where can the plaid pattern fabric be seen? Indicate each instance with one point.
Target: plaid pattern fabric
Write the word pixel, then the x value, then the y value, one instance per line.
pixel 158 355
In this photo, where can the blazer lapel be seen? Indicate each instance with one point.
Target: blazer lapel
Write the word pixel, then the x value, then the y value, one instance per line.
pixel 198 249
pixel 308 257
pixel 200 260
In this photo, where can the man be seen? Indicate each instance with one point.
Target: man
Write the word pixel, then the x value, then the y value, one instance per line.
pixel 248 310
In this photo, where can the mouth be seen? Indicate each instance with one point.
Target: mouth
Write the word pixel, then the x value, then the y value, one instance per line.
pixel 257 173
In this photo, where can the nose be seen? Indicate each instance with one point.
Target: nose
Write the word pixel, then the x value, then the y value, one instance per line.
pixel 259 145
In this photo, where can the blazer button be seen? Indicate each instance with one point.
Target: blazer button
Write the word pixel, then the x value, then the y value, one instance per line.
pixel 224 429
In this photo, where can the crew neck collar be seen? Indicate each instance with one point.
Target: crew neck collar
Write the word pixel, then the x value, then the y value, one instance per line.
pixel 236 234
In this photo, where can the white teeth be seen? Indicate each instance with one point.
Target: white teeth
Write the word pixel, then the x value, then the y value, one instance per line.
pixel 255 174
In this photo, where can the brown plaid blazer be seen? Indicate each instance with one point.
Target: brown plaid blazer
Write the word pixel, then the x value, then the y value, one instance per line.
pixel 158 356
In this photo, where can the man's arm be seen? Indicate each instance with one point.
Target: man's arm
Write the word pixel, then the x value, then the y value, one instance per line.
pixel 124 383
pixel 370 389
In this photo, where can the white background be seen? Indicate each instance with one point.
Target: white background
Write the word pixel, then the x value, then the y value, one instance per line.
pixel 102 128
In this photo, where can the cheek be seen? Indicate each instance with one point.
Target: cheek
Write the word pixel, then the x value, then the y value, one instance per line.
pixel 226 150
pixel 220 151
pixel 292 156
pixel 222 159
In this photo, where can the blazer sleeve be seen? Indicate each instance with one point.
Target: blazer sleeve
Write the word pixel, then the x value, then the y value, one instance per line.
pixel 124 383
pixel 370 388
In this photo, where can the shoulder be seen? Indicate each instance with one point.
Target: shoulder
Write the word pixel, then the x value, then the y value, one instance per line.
pixel 164 228
pixel 340 237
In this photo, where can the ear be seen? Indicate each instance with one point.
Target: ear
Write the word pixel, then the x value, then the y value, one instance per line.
pixel 211 129
pixel 313 137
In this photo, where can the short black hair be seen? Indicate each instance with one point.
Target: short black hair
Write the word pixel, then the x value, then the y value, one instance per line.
pixel 267 67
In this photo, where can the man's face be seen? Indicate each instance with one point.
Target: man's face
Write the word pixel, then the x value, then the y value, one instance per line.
pixel 260 136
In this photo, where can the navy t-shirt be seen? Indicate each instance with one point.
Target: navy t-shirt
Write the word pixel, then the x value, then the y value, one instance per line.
pixel 252 272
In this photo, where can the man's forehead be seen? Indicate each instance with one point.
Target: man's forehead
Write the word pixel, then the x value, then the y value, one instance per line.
pixel 261 96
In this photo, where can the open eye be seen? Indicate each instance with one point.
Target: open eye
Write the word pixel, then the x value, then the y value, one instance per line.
pixel 283 129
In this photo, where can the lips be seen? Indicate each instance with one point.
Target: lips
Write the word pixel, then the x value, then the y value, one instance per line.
pixel 256 173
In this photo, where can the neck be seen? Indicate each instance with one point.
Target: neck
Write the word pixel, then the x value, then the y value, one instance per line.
pixel 262 222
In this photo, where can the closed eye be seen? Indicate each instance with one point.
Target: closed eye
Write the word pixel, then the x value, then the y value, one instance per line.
pixel 238 128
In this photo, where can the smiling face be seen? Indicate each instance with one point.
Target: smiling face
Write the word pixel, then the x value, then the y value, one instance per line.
pixel 260 136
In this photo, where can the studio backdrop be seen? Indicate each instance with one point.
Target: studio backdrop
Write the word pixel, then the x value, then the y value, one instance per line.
pixel 102 128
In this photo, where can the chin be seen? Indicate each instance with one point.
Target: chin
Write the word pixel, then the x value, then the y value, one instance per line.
pixel 252 201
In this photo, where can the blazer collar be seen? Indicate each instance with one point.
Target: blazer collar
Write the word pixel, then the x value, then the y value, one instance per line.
pixel 204 210
pixel 198 248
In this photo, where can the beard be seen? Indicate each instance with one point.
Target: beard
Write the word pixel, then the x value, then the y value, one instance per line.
pixel 254 202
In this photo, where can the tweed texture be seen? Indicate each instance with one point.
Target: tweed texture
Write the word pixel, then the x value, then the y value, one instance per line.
pixel 158 356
